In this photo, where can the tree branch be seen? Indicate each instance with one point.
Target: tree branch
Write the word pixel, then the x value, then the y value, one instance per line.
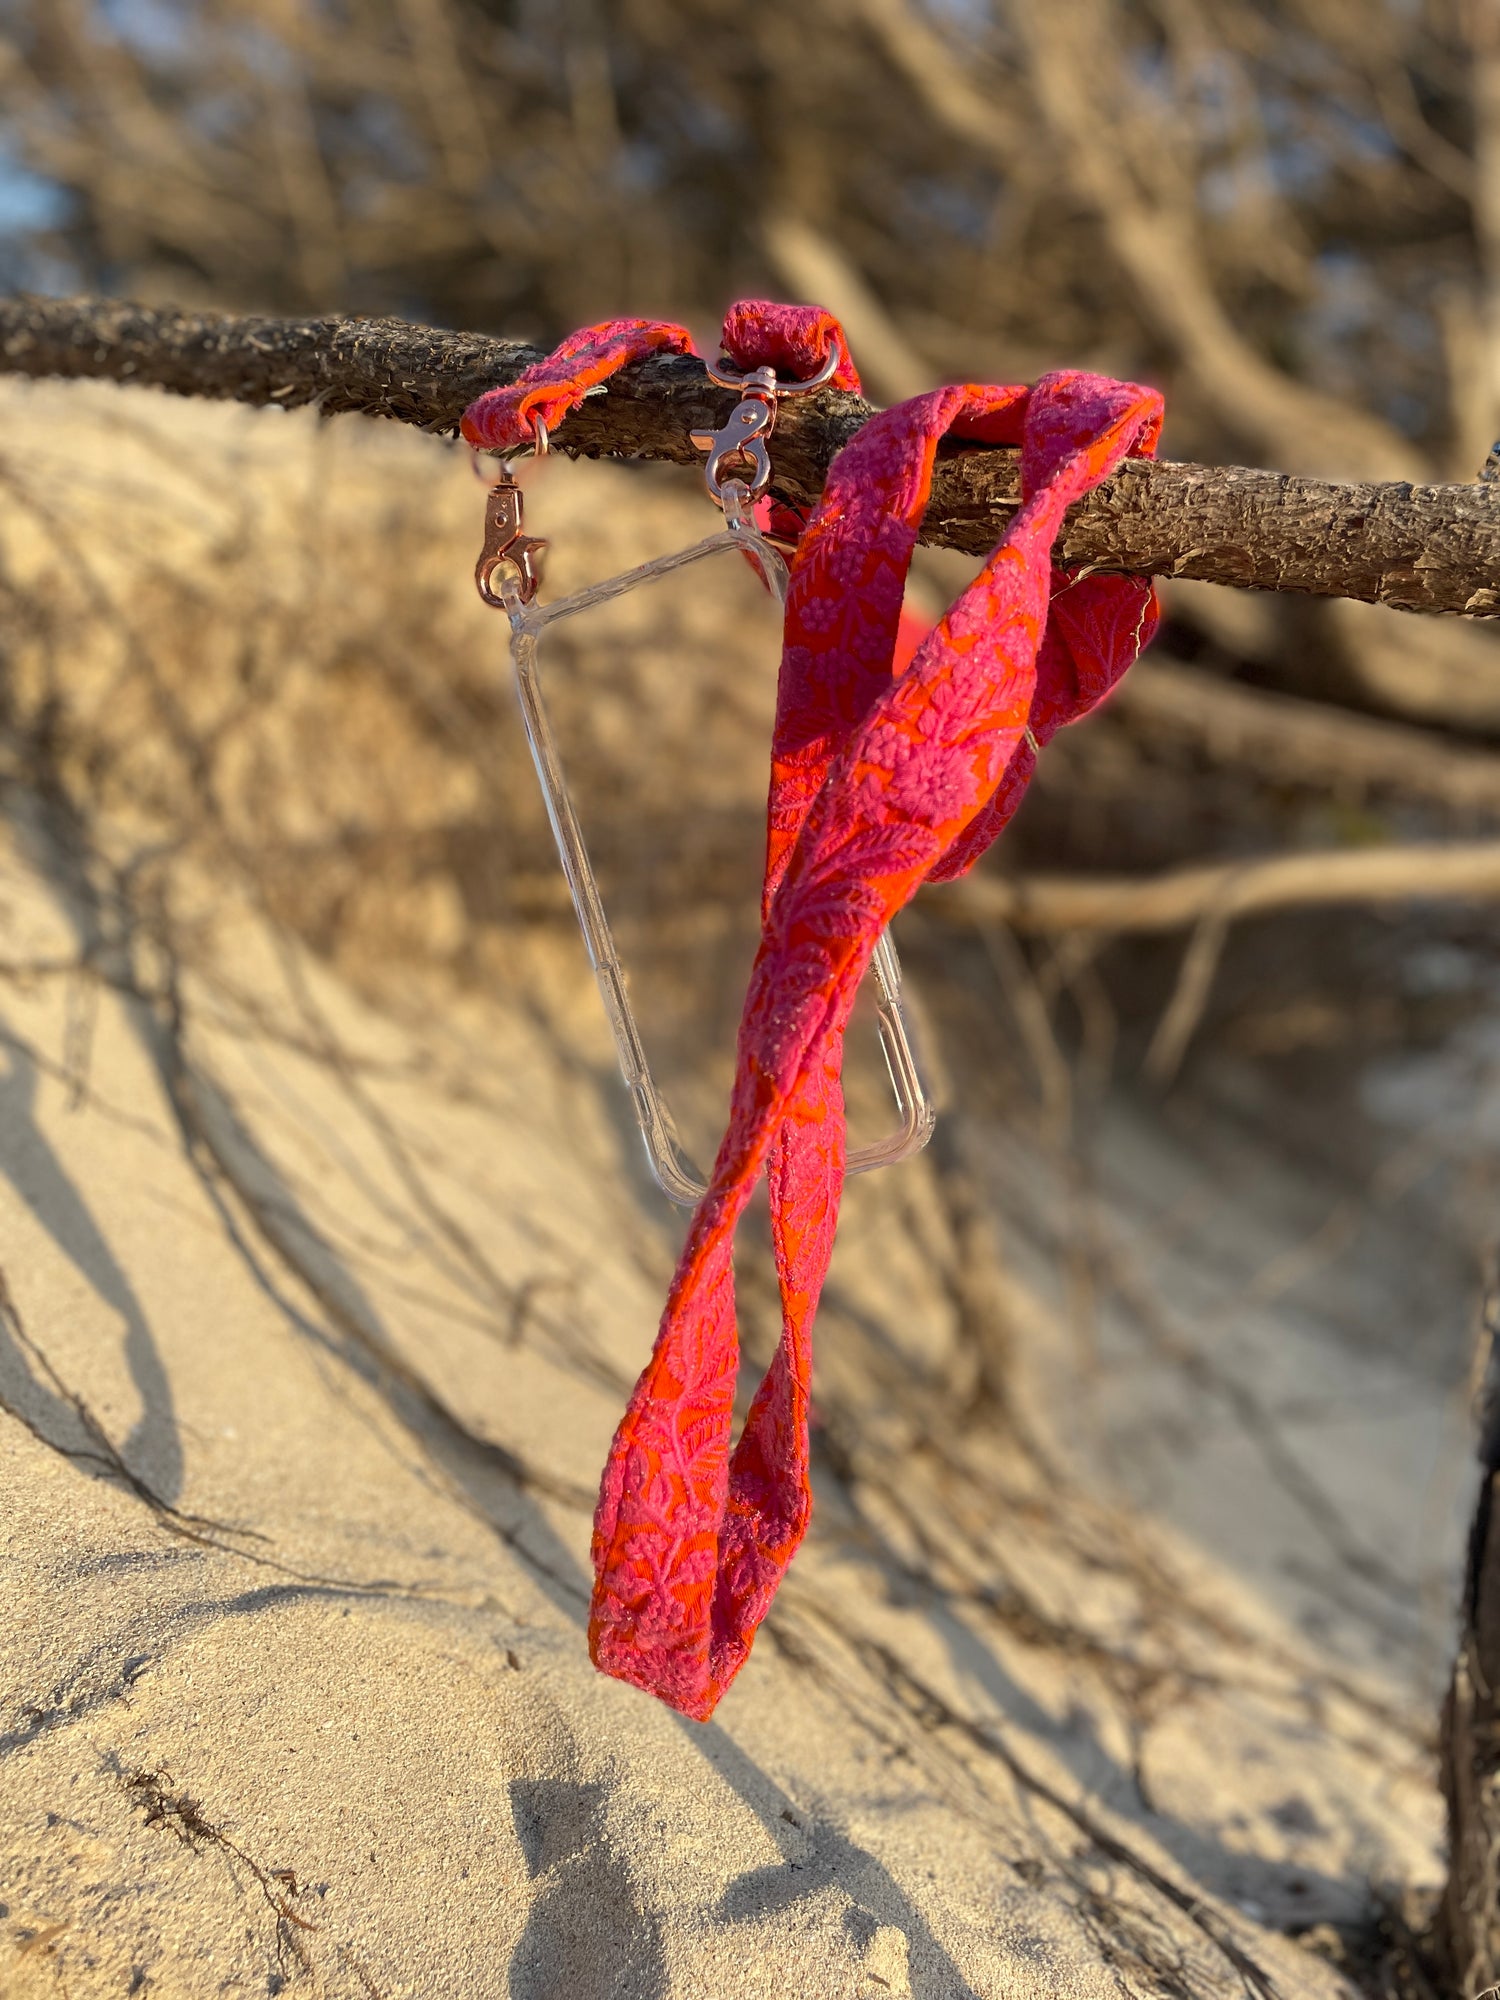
pixel 1284 740
pixel 1223 890
pixel 1418 548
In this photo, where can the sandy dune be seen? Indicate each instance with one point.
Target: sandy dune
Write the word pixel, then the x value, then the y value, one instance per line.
pixel 321 1296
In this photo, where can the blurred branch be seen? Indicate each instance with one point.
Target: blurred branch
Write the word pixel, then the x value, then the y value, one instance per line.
pixel 946 88
pixel 1088 94
pixel 1419 548
pixel 1285 740
pixel 1224 890
pixel 1210 899
pixel 812 266
pixel 1486 89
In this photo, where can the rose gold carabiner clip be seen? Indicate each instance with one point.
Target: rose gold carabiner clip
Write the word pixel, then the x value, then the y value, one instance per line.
pixel 738 451
pixel 506 547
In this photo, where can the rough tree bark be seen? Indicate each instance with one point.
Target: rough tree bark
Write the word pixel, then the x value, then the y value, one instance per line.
pixel 1469 1919
pixel 1416 548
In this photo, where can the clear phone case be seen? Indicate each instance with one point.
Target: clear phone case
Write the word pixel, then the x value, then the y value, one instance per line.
pixel 707 815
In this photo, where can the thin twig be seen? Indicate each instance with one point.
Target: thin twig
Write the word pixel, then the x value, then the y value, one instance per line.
pixel 1225 890
pixel 1283 739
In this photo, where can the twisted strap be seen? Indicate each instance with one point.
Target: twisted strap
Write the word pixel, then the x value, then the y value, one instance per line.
pixel 880 780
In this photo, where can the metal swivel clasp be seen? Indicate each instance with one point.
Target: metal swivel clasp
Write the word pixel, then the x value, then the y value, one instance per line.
pixel 740 446
pixel 506 547
pixel 738 449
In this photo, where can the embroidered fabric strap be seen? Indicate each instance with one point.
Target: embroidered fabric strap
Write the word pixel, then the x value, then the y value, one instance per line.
pixel 881 780
pixel 794 340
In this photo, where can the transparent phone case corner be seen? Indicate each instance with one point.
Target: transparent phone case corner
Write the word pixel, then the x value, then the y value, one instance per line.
pixel 533 626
